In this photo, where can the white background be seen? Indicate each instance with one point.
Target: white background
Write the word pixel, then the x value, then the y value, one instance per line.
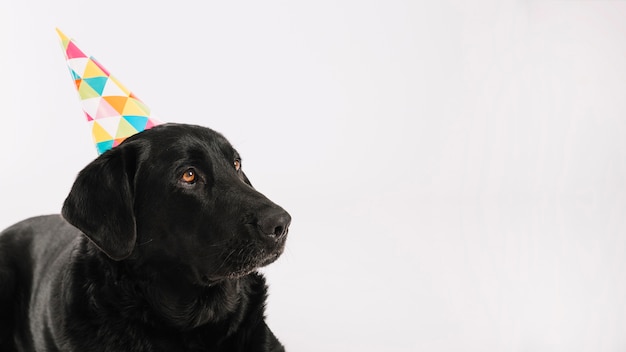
pixel 455 169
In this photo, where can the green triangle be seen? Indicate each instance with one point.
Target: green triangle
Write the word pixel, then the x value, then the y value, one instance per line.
pixel 125 129
pixel 85 91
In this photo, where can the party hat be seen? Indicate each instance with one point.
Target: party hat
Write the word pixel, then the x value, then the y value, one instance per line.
pixel 113 112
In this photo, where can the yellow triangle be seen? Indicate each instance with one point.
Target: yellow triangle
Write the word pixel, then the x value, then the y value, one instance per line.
pixel 99 134
pixel 142 106
pixel 125 129
pixel 120 85
pixel 92 70
pixel 62 35
pixel 133 108
pixel 64 39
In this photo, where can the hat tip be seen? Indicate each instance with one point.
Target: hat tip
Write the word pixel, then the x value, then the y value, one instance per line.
pixel 61 34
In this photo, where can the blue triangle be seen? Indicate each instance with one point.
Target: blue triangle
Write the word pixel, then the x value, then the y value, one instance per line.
pixel 97 83
pixel 75 75
pixel 104 146
pixel 138 122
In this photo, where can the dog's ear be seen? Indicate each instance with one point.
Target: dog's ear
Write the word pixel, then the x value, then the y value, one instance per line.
pixel 100 203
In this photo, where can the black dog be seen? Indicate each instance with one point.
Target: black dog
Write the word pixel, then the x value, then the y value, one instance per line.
pixel 165 238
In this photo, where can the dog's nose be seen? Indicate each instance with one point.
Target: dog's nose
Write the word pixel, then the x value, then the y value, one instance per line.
pixel 274 222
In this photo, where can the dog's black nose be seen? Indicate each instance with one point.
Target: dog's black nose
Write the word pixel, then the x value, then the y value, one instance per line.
pixel 274 222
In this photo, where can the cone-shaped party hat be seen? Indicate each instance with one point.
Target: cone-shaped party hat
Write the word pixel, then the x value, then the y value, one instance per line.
pixel 113 112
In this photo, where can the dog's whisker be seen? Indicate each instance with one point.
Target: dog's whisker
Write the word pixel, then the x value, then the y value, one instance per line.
pixel 224 261
pixel 145 242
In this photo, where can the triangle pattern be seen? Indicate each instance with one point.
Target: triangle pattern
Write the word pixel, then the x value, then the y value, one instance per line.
pixel 138 122
pixel 109 125
pixel 112 88
pixel 142 106
pixel 152 122
pixel 105 110
pixel 117 102
pixel 134 107
pixel 99 133
pixel 125 129
pixel 112 110
pixel 64 39
pixel 74 75
pixel 90 106
pixel 72 51
pixel 85 91
pixel 93 70
pixel 106 72
pixel 118 141
pixel 97 83
pixel 120 86
pixel 78 66
pixel 102 147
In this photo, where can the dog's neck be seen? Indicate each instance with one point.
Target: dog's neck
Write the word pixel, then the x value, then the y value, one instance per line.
pixel 185 305
pixel 164 294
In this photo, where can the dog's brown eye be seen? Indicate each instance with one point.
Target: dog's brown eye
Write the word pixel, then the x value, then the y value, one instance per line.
pixel 189 176
pixel 237 164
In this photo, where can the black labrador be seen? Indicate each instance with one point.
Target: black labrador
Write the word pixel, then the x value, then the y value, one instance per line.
pixel 156 250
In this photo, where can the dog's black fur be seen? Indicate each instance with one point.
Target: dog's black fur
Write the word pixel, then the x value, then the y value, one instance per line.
pixel 156 250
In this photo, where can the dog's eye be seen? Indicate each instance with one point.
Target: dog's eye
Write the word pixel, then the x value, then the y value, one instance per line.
pixel 237 164
pixel 189 176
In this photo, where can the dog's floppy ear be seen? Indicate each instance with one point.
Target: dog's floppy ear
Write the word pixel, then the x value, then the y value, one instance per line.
pixel 100 203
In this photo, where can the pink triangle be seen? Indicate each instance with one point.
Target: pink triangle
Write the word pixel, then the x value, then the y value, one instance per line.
pixel 73 52
pixel 106 110
pixel 151 123
pixel 89 118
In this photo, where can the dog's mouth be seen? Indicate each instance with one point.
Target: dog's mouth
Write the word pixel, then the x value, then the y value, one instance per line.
pixel 243 259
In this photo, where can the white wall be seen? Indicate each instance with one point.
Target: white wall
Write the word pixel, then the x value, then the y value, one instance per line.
pixel 455 170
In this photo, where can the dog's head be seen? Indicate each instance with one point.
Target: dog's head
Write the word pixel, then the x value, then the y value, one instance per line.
pixel 177 194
